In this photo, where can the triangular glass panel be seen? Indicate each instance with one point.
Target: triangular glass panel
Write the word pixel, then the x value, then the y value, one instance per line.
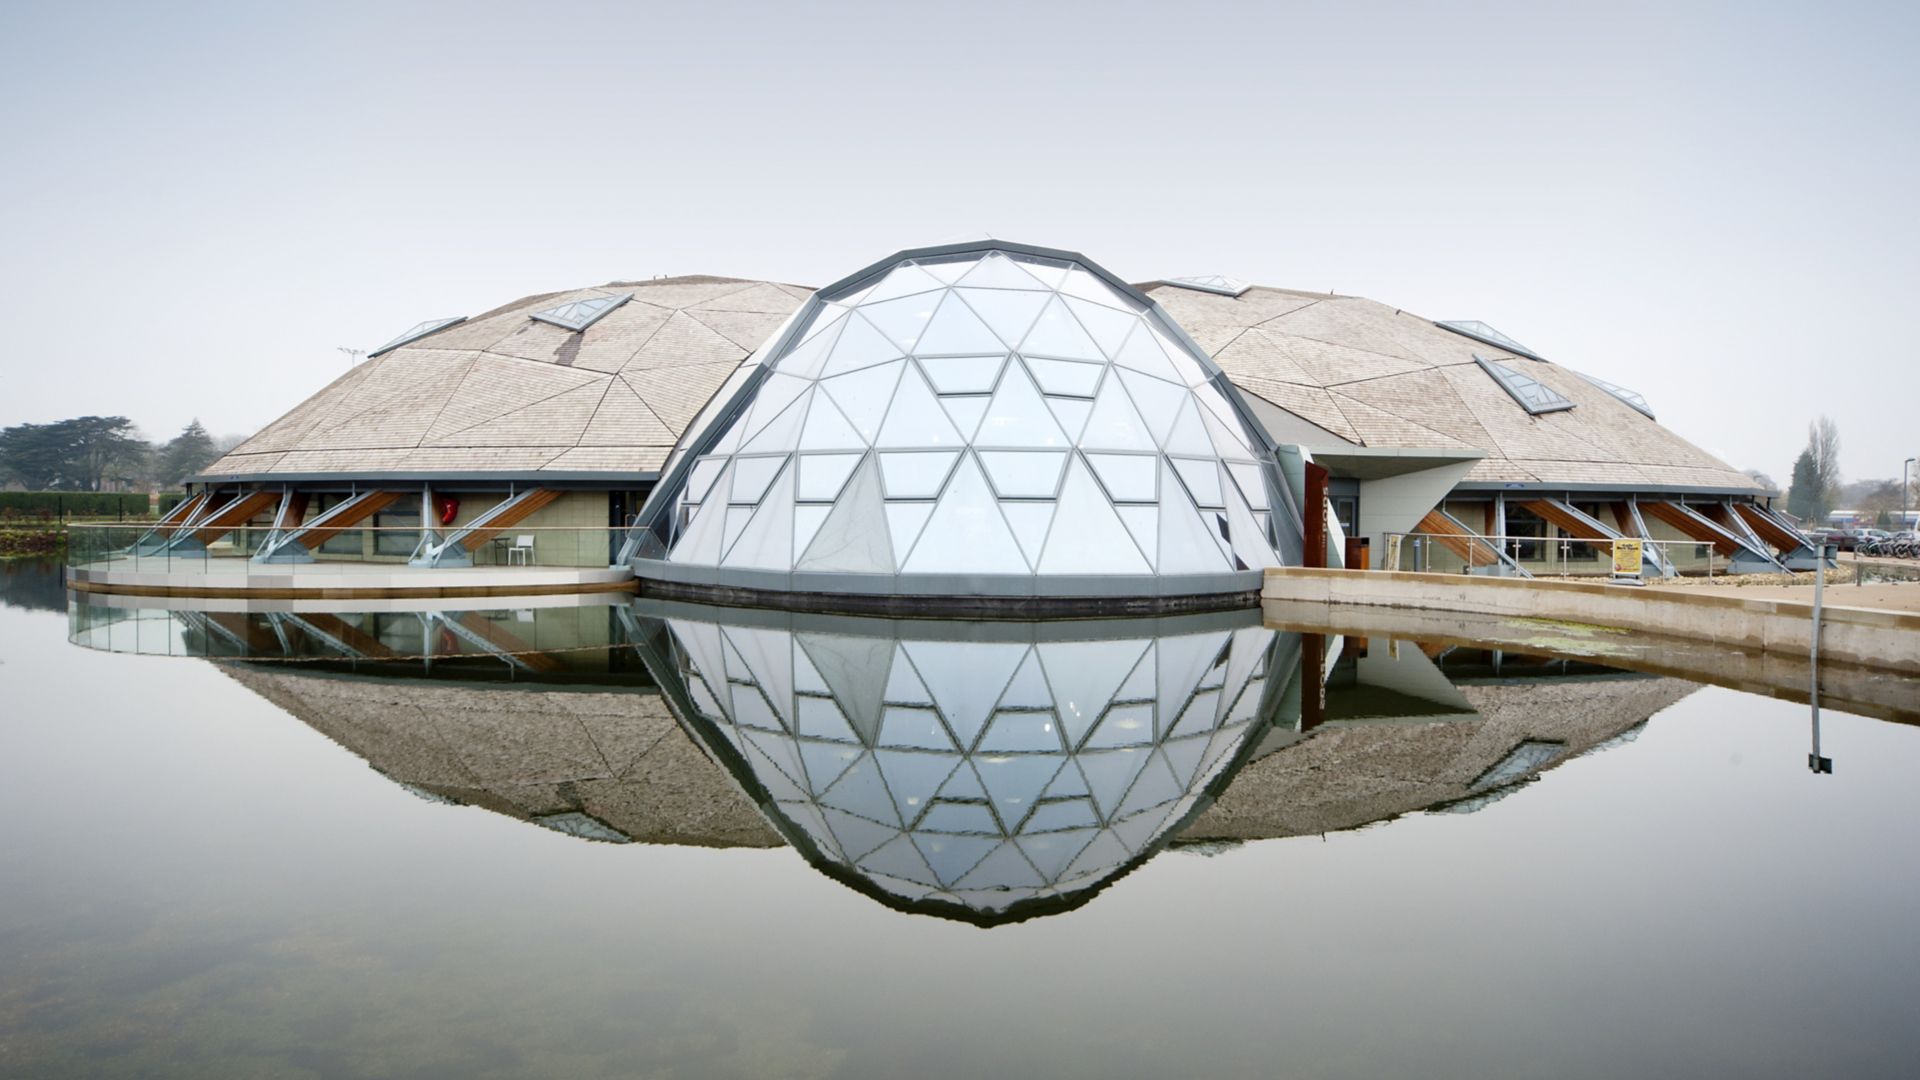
pixel 1024 474
pixel 1127 477
pixel 965 784
pixel 806 524
pixel 820 717
pixel 1057 333
pixel 737 519
pixel 1202 480
pixel 948 270
pixel 856 669
pixel 824 476
pixel 701 477
pixel 1072 414
pixel 752 476
pixel 903 684
pixel 915 418
pixel 1251 482
pixel 901 281
pixel 806 358
pixel 1123 725
pixel 1028 689
pixel 914 777
pixel 781 433
pixel 965 412
pixel 1051 853
pixel 415 333
pixel 901 859
pixel 1481 332
pixel 1083 284
pixel 767 542
pixel 966 679
pixel 1014 781
pixel 1108 327
pixel 1144 523
pixel 1029 521
pixel 1635 401
pixel 956 330
pixel 1142 353
pixel 1008 314
pixel 854 536
pixel 952 856
pixel 918 729
pixel 1097 543
pixel 1072 378
pixel 1213 283
pixel 827 428
pixel 826 761
pixel 1109 774
pixel 904 522
pixel 1003 868
pixel 857 836
pixel 905 319
pixel 963 374
pixel 1115 424
pixel 859 346
pixel 863 396
pixel 1020 732
pixel 1188 436
pixel 1158 401
pixel 996 271
pixel 1018 417
pixel 915 474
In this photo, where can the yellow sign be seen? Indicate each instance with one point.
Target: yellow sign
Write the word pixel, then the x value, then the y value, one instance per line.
pixel 1626 557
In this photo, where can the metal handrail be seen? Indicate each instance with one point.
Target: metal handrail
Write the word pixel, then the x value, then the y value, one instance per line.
pixel 1509 546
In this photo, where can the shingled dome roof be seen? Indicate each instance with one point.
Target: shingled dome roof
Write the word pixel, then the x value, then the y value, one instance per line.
pixel 583 383
pixel 992 419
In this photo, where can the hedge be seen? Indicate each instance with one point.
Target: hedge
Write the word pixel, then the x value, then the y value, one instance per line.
pixel 65 504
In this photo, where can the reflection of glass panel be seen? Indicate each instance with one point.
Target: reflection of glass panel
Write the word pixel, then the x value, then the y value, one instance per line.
pixel 915 475
pixel 1024 474
pixel 1070 377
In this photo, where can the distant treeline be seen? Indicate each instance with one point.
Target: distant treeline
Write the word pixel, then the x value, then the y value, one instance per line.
pixel 88 453
pixel 67 504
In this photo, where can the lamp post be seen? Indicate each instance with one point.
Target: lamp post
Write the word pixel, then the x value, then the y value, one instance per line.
pixel 1904 487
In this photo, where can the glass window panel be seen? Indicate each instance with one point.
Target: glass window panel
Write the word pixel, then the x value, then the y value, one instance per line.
pixel 701 541
pixel 827 428
pixel 915 418
pixel 1143 353
pixel 1029 522
pixel 1191 371
pixel 1058 333
pixel 776 392
pixel 863 396
pixel 752 475
pixel 1251 483
pixel 1072 414
pixel 1189 435
pixel 806 523
pixel 1158 401
pixel 1049 272
pixel 1636 401
pixel 1083 284
pixel 1108 326
pixel 767 542
pixel 702 476
pixel 1115 424
pixel 901 281
pixel 1533 395
pixel 1480 331
pixel 854 536
pixel 1202 480
pixel 956 329
pixel 1096 542
pixel 905 319
pixel 1127 477
pixel 915 475
pixel 963 374
pixel 904 522
pixel 950 817
pixel 914 777
pixel 823 475
pixel 966 413
pixel 737 518
pixel 781 433
pixel 1247 539
pixel 1223 427
pixel 967 534
pixel 1072 378
pixel 859 346
pixel 1024 474
pixel 1008 314
pixel 415 333
pixel 1018 416
pixel 996 271
pixel 949 269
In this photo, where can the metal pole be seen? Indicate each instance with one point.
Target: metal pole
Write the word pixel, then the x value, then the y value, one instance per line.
pixel 1816 763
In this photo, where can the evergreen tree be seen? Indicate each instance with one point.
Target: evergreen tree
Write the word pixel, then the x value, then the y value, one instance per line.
pixel 186 454
pixel 1805 500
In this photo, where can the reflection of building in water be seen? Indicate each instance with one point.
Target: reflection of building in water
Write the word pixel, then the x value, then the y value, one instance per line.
pixel 980 771
pixel 987 772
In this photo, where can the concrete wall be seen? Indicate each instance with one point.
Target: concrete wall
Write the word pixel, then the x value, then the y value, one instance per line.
pixel 1879 639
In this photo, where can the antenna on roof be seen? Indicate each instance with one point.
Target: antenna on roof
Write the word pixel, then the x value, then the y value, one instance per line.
pixel 353 355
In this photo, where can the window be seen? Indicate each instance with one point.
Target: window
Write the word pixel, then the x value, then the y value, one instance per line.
pixel 1633 400
pixel 1485 334
pixel 577 315
pixel 1213 283
pixel 1346 510
pixel 1523 523
pixel 415 333
pixel 397 543
pixel 1533 395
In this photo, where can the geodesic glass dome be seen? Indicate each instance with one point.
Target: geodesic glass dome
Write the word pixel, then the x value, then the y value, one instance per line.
pixel 994 420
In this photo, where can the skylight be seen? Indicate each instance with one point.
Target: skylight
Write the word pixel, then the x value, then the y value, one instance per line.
pixel 1213 283
pixel 418 331
pixel 1485 334
pixel 1533 395
pixel 1638 402
pixel 580 314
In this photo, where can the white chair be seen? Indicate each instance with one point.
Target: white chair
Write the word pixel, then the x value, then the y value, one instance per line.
pixel 523 548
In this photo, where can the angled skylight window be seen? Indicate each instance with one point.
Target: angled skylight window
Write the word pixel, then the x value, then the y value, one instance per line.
pixel 1533 395
pixel 577 315
pixel 1529 756
pixel 1638 402
pixel 1485 334
pixel 1213 283
pixel 418 331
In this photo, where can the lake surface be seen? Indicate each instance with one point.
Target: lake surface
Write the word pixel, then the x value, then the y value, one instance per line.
pixel 637 839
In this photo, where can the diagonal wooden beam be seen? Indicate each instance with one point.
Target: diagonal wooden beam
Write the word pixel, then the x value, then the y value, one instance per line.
pixel 1553 511
pixel 509 517
pixel 1785 540
pixel 238 511
pixel 1690 526
pixel 356 510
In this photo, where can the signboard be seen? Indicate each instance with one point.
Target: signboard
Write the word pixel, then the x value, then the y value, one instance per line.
pixel 1392 561
pixel 1626 558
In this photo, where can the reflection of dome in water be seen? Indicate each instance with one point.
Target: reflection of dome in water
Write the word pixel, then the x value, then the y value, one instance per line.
pixel 985 420
pixel 984 771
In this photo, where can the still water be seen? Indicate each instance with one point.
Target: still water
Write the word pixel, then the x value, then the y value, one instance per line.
pixel 637 839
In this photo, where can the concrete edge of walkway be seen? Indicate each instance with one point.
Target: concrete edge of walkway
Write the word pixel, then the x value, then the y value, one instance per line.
pixel 1867 637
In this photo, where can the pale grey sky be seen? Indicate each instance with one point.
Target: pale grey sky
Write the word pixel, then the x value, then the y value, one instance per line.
pixel 1712 204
